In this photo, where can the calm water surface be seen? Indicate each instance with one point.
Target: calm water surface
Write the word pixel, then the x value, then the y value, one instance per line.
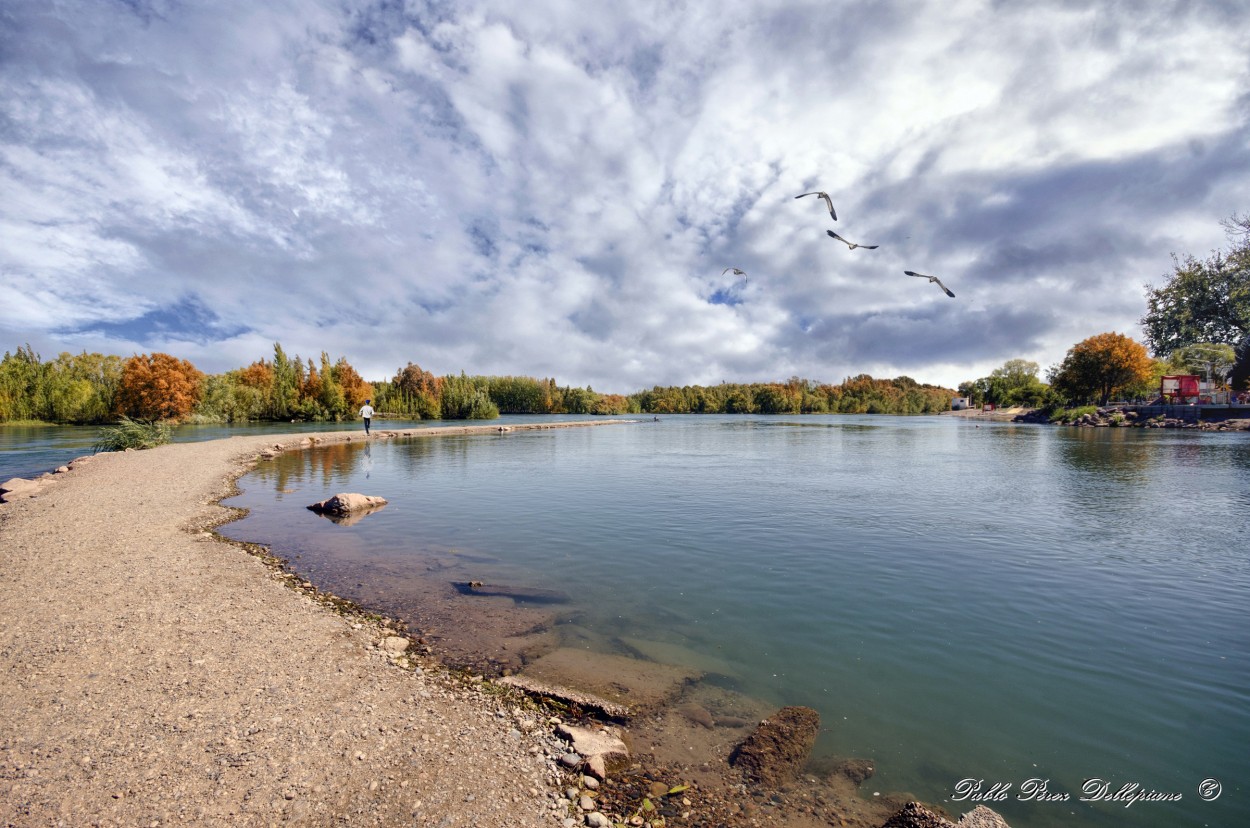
pixel 997 603
pixel 31 450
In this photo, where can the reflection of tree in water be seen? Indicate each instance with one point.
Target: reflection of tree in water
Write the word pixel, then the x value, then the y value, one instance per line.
pixel 1105 455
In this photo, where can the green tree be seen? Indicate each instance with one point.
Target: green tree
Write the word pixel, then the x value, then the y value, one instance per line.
pixel 287 379
pixel 1203 300
pixel 467 398
pixel 21 385
pixel 1209 360
pixel 332 399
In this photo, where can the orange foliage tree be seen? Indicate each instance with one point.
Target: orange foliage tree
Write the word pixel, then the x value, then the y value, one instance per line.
pixel 257 375
pixel 158 387
pixel 1105 364
pixel 355 389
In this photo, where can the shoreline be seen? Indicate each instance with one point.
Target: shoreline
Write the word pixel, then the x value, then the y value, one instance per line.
pixel 155 674
pixel 158 673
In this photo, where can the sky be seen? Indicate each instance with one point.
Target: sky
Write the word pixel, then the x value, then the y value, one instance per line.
pixel 555 188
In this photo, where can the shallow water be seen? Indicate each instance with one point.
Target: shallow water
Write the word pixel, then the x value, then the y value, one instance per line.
pixel 996 603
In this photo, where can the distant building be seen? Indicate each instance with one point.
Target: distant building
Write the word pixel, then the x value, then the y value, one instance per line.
pixel 960 403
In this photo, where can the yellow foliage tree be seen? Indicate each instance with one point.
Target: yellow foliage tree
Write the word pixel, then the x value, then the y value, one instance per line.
pixel 355 389
pixel 1103 365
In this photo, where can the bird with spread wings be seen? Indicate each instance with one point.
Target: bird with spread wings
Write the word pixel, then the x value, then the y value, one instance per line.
pixel 828 201
pixel 850 244
pixel 935 280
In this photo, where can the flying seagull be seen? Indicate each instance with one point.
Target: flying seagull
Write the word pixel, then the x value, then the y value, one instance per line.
pixel 851 245
pixel 736 271
pixel 932 279
pixel 828 201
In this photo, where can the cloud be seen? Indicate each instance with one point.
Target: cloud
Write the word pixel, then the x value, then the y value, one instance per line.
pixel 556 193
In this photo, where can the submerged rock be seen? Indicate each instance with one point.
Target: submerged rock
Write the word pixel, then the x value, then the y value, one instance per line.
pixel 779 746
pixel 348 503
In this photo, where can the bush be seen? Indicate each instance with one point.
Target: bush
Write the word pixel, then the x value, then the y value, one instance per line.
pixel 1070 415
pixel 127 433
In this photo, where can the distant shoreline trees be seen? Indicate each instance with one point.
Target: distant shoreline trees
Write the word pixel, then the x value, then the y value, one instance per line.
pixel 92 388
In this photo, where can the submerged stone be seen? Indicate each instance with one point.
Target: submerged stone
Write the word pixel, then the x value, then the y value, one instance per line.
pixel 779 746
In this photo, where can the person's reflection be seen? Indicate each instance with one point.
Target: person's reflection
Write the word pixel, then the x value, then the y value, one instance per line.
pixel 368 459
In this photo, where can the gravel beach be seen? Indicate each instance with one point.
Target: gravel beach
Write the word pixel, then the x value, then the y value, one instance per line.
pixel 155 675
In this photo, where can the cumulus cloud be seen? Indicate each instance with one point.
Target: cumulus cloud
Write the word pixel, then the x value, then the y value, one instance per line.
pixel 557 190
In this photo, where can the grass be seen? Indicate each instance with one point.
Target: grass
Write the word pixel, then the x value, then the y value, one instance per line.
pixel 127 434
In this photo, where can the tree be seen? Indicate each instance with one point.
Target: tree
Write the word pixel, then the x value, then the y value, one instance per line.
pixel 355 389
pixel 158 387
pixel 1239 378
pixel 21 385
pixel 1203 300
pixel 287 382
pixel 423 389
pixel 1206 359
pixel 1101 366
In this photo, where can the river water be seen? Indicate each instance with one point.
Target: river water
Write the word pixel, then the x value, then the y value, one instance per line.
pixel 963 603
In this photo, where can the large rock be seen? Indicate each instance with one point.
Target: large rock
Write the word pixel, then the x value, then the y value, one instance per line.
pixel 602 751
pixel 779 746
pixel 348 503
pixel 915 815
pixel 17 488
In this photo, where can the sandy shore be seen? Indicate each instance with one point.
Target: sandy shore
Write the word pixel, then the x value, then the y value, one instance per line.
pixel 153 674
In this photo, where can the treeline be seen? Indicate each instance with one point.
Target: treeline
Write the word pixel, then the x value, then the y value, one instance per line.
pixel 92 388
pixel 856 395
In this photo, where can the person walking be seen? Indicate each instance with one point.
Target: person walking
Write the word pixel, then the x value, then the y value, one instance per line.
pixel 366 411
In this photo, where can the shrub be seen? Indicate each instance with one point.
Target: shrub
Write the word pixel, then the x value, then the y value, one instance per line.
pixel 1071 415
pixel 127 433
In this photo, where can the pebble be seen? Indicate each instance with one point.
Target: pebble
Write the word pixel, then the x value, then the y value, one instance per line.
pixel 570 760
pixel 590 783
pixel 586 803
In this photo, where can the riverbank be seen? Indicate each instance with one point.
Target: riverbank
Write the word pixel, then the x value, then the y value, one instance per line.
pixel 155 674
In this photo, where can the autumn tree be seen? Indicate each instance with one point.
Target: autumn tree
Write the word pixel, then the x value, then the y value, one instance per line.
pixel 423 389
pixel 355 389
pixel 1204 300
pixel 1101 366
pixel 158 387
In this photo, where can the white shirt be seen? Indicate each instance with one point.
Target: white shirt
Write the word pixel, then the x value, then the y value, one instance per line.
pixel 366 411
